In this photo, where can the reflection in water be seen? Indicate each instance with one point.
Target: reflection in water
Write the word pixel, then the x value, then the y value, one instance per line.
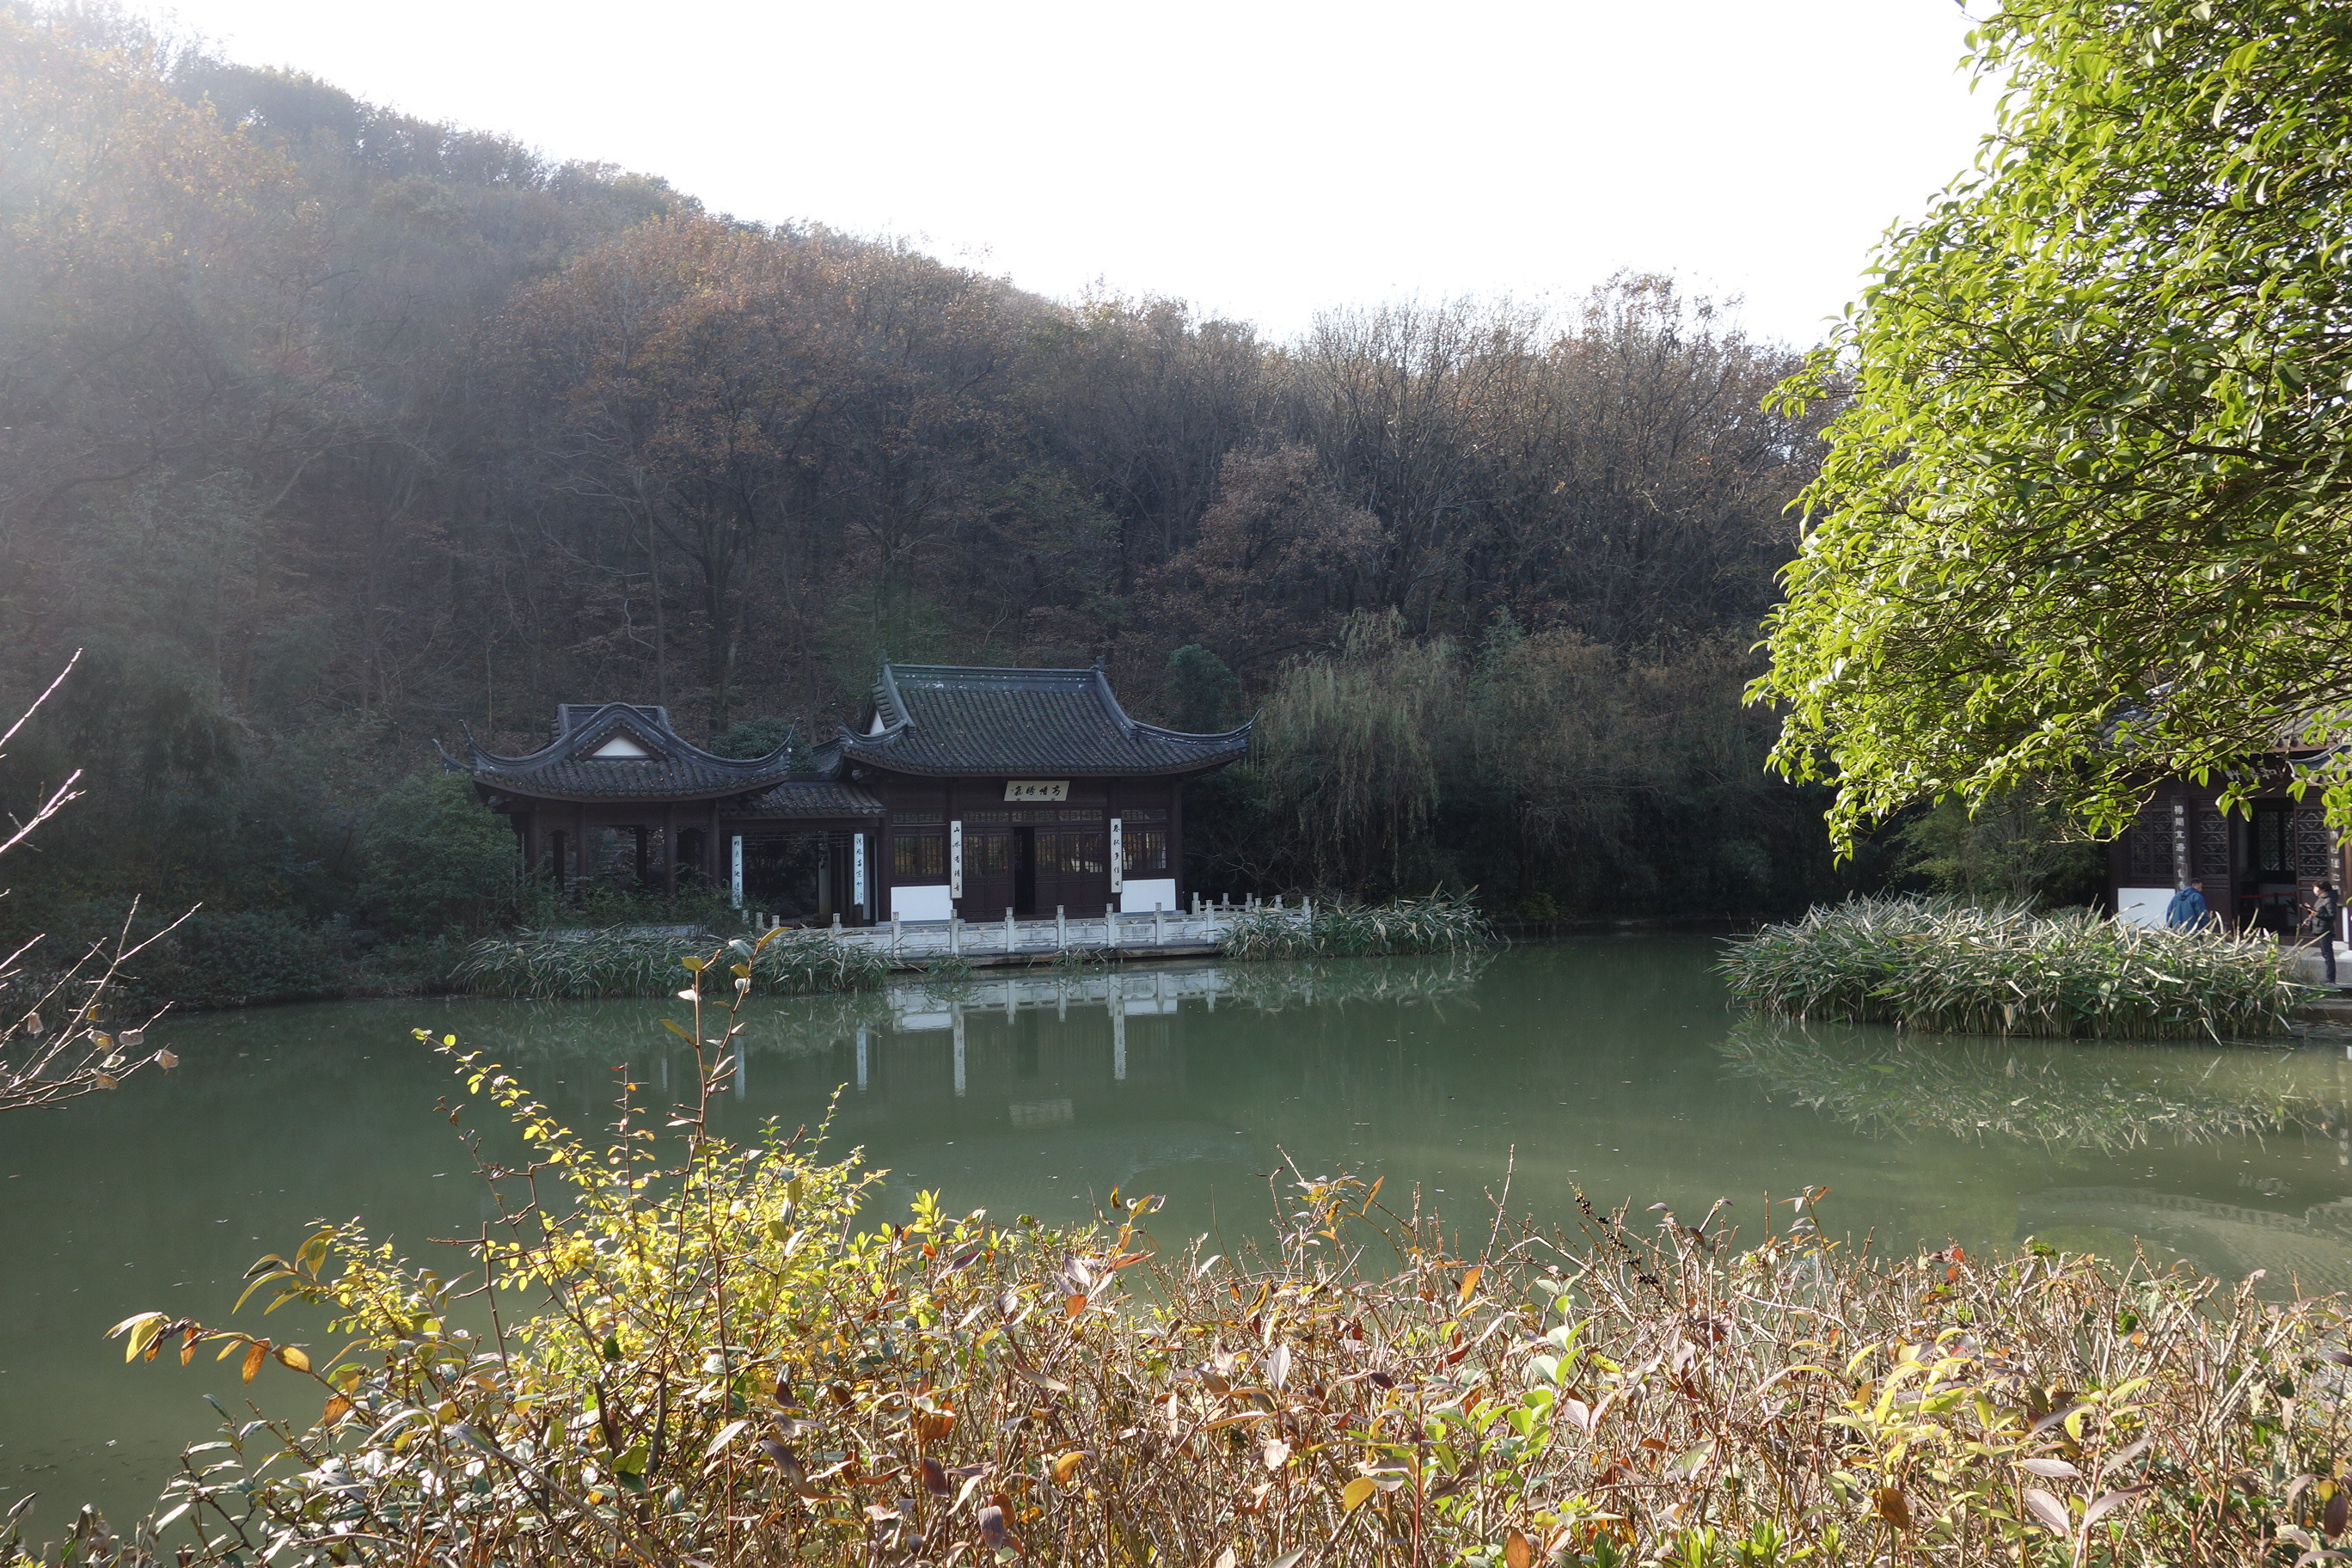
pixel 2310 1252
pixel 2072 1098
pixel 552 1030
pixel 2063 1096
pixel 1606 1065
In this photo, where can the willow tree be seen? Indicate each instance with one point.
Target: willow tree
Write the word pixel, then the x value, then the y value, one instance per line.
pixel 2086 513
pixel 1353 741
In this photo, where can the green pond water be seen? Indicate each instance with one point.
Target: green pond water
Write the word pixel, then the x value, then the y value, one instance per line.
pixel 1612 1065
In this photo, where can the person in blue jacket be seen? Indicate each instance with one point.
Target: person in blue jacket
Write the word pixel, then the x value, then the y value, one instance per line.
pixel 2188 910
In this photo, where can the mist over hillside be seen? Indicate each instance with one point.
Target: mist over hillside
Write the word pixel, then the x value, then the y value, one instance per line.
pixel 324 430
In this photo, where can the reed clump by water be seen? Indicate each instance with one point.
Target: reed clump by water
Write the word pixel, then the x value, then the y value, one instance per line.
pixel 1439 922
pixel 1944 964
pixel 703 1352
pixel 623 960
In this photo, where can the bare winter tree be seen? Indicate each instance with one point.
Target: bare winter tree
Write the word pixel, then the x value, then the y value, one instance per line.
pixel 54 1043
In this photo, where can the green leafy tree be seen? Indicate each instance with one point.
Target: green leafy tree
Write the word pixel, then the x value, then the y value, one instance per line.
pixel 750 738
pixel 2086 513
pixel 2011 849
pixel 1202 695
pixel 438 861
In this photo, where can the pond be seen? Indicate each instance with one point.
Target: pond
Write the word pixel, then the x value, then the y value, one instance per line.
pixel 1609 1065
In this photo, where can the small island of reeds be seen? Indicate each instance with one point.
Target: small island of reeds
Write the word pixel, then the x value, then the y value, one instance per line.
pixel 1951 966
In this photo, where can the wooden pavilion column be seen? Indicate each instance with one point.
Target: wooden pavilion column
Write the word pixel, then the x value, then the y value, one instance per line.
pixel 669 850
pixel 1176 838
pixel 579 856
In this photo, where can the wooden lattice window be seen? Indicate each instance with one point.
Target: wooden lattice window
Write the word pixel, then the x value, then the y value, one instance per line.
pixel 2315 852
pixel 2274 846
pixel 1144 850
pixel 1070 853
pixel 988 854
pixel 2147 848
pixel 2213 843
pixel 917 855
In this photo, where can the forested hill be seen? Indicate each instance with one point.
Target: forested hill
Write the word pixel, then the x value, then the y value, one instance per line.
pixel 324 429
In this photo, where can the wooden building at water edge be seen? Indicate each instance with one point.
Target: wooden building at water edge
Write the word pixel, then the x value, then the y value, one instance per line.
pixel 2257 863
pixel 962 791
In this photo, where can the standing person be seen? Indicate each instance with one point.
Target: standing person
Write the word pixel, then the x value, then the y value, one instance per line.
pixel 2319 921
pixel 2188 910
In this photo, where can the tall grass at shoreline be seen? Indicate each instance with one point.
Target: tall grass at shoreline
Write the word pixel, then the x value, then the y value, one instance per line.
pixel 1947 965
pixel 551 966
pixel 1440 922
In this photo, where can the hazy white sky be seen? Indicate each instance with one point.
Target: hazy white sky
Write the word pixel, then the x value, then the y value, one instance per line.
pixel 1264 159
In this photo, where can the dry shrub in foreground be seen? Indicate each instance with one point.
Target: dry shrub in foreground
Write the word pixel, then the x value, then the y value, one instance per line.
pixel 52 1045
pixel 710 1359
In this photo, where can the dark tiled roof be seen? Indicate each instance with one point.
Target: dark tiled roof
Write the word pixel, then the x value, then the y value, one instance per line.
pixel 673 768
pixel 812 797
pixel 949 718
pixel 569 716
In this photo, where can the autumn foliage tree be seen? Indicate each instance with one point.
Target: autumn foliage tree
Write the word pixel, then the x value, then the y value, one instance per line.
pixel 325 429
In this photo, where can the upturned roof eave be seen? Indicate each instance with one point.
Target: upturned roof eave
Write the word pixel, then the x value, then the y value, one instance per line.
pixel 528 790
pixel 569 745
pixel 1236 740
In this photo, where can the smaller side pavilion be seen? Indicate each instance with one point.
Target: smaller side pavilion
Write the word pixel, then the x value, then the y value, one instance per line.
pixel 618 794
pixel 2257 863
pixel 965 792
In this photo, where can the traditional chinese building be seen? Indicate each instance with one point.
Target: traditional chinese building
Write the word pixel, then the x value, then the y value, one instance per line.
pixel 962 791
pixel 2257 863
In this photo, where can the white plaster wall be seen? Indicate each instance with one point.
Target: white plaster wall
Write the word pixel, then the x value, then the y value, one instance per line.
pixel 2142 906
pixel 930 903
pixel 1138 897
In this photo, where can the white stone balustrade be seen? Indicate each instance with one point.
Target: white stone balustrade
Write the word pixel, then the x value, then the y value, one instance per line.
pixel 1005 939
